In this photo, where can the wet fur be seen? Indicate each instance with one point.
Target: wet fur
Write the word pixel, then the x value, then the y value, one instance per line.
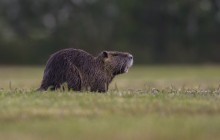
pixel 82 71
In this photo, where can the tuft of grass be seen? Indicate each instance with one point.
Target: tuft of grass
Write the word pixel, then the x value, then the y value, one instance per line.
pixel 115 115
pixel 175 102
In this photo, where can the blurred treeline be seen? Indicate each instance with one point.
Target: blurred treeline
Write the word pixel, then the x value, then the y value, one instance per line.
pixel 155 31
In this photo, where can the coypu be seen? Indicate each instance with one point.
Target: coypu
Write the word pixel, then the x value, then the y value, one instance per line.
pixel 82 71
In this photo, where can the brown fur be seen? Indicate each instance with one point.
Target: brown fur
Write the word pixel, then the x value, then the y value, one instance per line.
pixel 82 71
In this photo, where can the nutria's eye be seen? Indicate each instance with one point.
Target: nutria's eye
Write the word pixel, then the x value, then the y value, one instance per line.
pixel 114 54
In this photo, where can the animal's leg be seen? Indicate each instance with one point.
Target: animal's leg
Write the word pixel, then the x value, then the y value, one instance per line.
pixel 74 80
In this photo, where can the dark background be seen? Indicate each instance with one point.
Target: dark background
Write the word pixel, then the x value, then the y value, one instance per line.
pixel 154 31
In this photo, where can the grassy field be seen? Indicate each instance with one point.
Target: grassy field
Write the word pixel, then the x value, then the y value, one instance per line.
pixel 154 102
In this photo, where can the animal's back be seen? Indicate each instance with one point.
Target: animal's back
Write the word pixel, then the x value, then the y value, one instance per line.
pixel 82 71
pixel 66 64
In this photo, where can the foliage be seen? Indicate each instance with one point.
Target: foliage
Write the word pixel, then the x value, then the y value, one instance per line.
pixel 164 31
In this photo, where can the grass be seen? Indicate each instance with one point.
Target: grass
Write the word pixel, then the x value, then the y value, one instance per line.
pixel 157 102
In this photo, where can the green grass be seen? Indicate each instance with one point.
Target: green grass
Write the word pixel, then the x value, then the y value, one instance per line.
pixel 157 102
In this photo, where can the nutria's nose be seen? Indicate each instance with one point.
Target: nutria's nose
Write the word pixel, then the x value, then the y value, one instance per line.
pixel 130 56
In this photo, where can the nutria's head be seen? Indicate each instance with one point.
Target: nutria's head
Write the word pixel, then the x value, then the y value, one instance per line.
pixel 116 62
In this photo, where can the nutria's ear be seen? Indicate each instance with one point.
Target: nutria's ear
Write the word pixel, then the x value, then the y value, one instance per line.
pixel 105 54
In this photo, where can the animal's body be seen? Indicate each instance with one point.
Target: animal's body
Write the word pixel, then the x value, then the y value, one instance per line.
pixel 82 71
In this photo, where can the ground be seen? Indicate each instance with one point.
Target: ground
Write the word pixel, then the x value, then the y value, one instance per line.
pixel 150 102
